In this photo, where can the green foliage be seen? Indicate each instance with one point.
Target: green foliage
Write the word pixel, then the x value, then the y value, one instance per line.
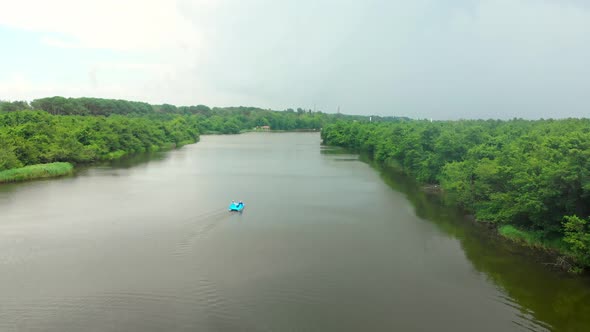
pixel 82 130
pixel 233 120
pixel 8 158
pixel 577 235
pixel 28 138
pixel 533 239
pixel 90 106
pixel 227 120
pixel 6 106
pixel 527 174
pixel 116 154
pixel 36 172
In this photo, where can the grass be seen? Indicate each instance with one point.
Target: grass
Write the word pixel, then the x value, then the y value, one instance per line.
pixel 115 155
pixel 517 235
pixel 532 239
pixel 40 171
pixel 183 143
pixel 36 172
pixel 564 258
pixel 162 147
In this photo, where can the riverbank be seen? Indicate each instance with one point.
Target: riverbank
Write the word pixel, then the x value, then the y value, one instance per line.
pixel 552 253
pixel 243 131
pixel 58 169
pixel 527 174
pixel 304 130
pixel 38 171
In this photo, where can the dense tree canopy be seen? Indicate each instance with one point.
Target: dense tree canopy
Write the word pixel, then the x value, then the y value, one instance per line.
pixel 28 138
pixel 224 120
pixel 89 129
pixel 8 106
pixel 531 174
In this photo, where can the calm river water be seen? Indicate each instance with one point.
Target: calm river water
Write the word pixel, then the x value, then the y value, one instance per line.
pixel 325 243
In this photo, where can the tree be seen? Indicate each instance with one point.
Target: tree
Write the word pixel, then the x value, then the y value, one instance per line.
pixel 577 235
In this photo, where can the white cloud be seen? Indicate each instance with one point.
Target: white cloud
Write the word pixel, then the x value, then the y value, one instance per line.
pixel 155 45
pixel 425 58
pixel 151 68
pixel 109 24
pixel 19 87
pixel 56 42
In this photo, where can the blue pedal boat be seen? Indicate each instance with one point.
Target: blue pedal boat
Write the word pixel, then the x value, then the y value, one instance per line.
pixel 236 207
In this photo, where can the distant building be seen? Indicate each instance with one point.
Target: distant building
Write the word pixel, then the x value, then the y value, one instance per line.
pixel 263 128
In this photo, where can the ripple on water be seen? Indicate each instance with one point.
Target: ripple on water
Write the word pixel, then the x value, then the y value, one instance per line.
pixel 202 307
pixel 527 320
pixel 199 227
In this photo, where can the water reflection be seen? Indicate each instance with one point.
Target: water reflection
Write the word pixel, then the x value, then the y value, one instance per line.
pixel 553 300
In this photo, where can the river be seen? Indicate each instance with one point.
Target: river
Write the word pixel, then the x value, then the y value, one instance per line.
pixel 326 243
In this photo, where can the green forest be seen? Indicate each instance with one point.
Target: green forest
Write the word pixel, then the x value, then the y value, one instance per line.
pixel 529 178
pixel 36 137
pixel 223 120
pixel 84 130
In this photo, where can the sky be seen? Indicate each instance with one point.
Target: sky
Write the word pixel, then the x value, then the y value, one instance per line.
pixel 421 58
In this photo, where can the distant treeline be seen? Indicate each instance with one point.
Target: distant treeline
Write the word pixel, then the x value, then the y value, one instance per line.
pixel 228 120
pixel 531 178
pixel 81 130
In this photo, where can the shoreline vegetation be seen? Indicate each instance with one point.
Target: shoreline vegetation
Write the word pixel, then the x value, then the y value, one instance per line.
pixel 39 171
pixel 83 131
pixel 555 248
pixel 542 249
pixel 527 180
pixel 547 255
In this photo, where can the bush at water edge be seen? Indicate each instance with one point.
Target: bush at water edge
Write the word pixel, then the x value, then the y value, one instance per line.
pixel 36 172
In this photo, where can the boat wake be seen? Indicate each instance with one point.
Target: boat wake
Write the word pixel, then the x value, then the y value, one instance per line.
pixel 200 226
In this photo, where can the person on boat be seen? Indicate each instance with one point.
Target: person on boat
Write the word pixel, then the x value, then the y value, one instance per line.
pixel 240 203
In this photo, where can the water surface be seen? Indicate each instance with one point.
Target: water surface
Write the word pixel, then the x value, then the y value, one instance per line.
pixel 326 243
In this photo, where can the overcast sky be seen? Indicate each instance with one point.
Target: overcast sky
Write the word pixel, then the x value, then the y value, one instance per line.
pixel 441 59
